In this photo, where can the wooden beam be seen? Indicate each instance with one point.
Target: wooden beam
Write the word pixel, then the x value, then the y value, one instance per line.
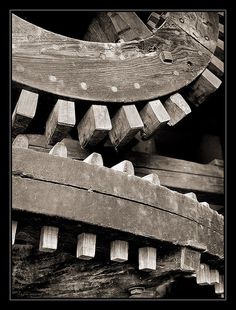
pixel 94 159
pixel 13 231
pixel 60 121
pixel 119 251
pixel 214 276
pixel 138 201
pixel 125 166
pixel 216 66
pixel 109 72
pixel 203 275
pixel 59 149
pixel 86 246
pixel 153 115
pixel 48 239
pixel 219 287
pixel 177 108
pixel 24 111
pixel 94 126
pixel 152 178
pixel 21 141
pixel 147 258
pixel 204 86
pixel 219 52
pixel 125 124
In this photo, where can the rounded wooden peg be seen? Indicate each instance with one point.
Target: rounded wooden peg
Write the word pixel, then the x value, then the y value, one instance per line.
pixel 94 159
pixel 125 166
pixel 191 195
pixel 59 149
pixel 152 178
pixel 21 141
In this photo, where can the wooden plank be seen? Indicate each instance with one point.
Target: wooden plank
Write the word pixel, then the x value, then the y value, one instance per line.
pixel 86 246
pixel 214 276
pixel 219 51
pixel 48 239
pixel 216 66
pixel 152 178
pixel 21 141
pixel 94 126
pixel 202 26
pixel 147 258
pixel 119 251
pixel 94 159
pixel 203 275
pixel 219 287
pixel 125 166
pixel 45 167
pixel 153 115
pixel 221 31
pixel 177 108
pixel 59 149
pixel 13 231
pixel 204 86
pixel 60 121
pixel 90 71
pixel 24 111
pixel 125 124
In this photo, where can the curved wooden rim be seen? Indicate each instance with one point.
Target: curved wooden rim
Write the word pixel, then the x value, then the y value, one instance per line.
pixel 110 72
pixel 118 201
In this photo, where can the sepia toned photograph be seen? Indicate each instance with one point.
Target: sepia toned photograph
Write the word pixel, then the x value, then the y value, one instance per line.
pixel 118 154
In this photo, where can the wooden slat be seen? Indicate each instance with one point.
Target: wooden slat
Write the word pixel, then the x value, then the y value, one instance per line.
pixel 13 231
pixel 177 108
pixel 48 239
pixel 60 121
pixel 203 275
pixel 204 86
pixel 86 246
pixel 221 31
pixel 219 287
pixel 119 251
pixel 59 149
pixel 94 126
pixel 24 111
pixel 214 276
pixel 219 51
pixel 21 141
pixel 90 71
pixel 153 115
pixel 216 66
pixel 125 124
pixel 94 159
pixel 147 259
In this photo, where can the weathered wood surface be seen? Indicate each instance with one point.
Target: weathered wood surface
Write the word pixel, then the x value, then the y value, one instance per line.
pixel 61 274
pixel 105 71
pixel 24 111
pixel 202 26
pixel 112 199
pixel 180 174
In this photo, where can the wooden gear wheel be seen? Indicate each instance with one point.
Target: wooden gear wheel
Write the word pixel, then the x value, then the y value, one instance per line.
pixel 123 83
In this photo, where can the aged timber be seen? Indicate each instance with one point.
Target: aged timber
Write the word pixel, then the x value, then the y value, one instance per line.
pixel 125 72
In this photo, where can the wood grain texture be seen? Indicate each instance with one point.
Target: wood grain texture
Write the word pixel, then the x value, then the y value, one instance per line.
pixel 204 86
pixel 90 70
pixel 202 26
pixel 86 246
pixel 119 251
pixel 147 258
pixel 219 52
pixel 153 116
pixel 48 239
pixel 125 124
pixel 24 111
pixel 60 121
pixel 216 66
pixel 94 126
pixel 59 274
pixel 115 192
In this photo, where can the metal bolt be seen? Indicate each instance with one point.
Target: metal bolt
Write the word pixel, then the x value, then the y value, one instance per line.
pixel 207 38
pixel 181 20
